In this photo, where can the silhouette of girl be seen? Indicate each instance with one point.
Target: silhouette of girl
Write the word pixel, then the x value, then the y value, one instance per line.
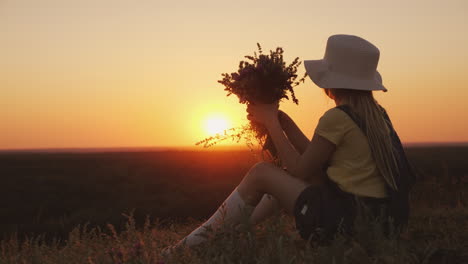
pixel 354 156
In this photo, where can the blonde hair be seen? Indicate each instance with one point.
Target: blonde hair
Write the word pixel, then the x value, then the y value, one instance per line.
pixel 377 129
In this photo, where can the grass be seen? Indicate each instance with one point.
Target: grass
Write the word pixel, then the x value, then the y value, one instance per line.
pixel 46 202
pixel 433 236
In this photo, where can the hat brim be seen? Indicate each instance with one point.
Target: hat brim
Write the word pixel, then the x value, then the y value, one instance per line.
pixel 319 72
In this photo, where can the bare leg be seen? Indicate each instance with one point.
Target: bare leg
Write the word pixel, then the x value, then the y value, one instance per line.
pixel 267 206
pixel 265 178
pixel 262 178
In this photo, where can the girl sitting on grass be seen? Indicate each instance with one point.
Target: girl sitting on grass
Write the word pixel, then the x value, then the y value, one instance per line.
pixel 353 160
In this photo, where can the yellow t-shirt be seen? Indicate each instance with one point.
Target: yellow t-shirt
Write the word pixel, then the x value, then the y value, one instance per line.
pixel 352 166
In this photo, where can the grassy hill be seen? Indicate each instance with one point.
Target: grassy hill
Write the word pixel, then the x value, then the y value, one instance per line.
pixel 67 208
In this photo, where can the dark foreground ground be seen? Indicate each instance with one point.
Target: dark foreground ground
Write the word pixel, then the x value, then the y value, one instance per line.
pixel 50 194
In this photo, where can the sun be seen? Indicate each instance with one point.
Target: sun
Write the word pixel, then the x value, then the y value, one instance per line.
pixel 216 124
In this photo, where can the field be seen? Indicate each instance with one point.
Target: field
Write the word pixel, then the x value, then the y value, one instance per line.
pixel 44 197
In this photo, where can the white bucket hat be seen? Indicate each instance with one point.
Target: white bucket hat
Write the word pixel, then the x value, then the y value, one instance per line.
pixel 350 62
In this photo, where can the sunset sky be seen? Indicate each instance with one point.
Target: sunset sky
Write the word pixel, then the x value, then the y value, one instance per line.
pixel 108 73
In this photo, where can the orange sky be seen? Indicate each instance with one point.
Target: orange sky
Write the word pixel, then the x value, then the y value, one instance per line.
pixel 143 73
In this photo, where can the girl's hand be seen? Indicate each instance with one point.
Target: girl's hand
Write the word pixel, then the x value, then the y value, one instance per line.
pixel 263 113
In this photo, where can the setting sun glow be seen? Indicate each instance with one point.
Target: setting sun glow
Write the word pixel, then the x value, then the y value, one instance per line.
pixel 145 73
pixel 216 124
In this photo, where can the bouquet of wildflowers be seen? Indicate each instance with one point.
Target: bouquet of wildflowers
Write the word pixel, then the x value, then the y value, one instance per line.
pixel 262 78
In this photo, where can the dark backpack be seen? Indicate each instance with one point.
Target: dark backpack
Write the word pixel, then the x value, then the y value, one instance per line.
pixel 398 200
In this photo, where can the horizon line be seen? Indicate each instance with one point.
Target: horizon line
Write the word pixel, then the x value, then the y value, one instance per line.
pixel 181 148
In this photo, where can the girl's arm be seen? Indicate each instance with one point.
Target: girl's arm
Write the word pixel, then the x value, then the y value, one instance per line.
pixel 310 165
pixel 297 138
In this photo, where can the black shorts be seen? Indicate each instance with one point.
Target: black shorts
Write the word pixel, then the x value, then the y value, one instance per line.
pixel 321 211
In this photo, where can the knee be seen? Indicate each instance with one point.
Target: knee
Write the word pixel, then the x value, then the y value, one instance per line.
pixel 260 167
pixel 259 171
